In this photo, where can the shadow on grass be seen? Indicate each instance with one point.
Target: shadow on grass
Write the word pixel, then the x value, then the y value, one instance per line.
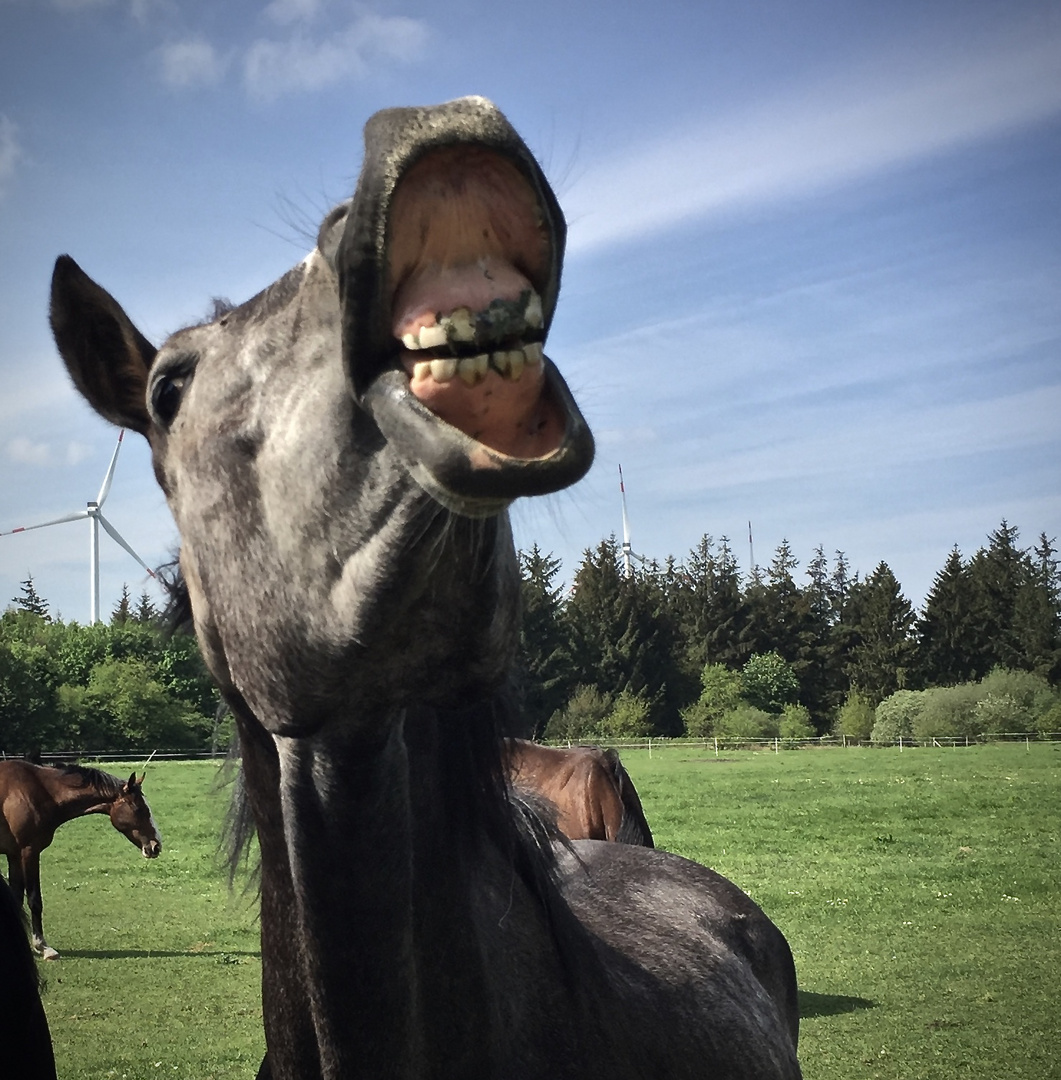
pixel 147 954
pixel 811 1004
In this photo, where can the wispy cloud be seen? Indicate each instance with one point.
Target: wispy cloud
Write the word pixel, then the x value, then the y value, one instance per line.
pixel 11 153
pixel 304 63
pixel 24 451
pixel 815 139
pixel 191 63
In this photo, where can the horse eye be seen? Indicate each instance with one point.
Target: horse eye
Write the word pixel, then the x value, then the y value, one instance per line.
pixel 166 394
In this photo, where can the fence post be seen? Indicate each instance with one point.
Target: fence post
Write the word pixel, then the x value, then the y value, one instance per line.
pixel 650 748
pixel 716 746
pixel 900 744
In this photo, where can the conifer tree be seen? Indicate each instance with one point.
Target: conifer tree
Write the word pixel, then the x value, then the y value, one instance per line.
pixel 882 652
pixel 544 665
pixel 31 601
pixel 122 612
pixel 946 650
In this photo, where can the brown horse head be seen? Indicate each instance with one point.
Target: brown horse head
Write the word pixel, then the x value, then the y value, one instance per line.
pixel 131 816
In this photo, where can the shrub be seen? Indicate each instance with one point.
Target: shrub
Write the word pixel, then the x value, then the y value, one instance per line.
pixel 630 717
pixel 855 719
pixel 795 723
pixel 895 716
pixel 582 716
pixel 719 694
pixel 748 722
pixel 948 712
pixel 768 682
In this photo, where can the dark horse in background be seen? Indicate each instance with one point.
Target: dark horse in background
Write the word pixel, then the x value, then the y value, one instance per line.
pixel 592 792
pixel 36 799
pixel 349 440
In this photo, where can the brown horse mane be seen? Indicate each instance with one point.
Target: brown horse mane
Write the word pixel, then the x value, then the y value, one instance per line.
pixel 88 776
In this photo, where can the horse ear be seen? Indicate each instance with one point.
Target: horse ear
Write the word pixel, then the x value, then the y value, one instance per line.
pixel 140 782
pixel 107 357
pixel 131 783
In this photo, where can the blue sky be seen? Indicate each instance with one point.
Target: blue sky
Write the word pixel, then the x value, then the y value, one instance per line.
pixel 814 261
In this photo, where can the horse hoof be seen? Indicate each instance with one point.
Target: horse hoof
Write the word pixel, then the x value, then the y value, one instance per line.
pixel 48 953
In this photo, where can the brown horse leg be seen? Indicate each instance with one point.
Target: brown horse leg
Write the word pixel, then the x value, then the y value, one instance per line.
pixel 31 871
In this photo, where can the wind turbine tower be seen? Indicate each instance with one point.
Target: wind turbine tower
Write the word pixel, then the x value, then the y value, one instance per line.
pixel 94 512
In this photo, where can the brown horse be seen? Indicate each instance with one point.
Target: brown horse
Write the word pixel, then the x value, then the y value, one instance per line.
pixel 594 797
pixel 36 799
pixel 349 441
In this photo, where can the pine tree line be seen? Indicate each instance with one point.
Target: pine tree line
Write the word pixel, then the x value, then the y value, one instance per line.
pixel 672 647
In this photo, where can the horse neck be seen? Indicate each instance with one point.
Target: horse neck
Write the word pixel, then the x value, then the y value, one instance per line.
pixel 75 799
pixel 381 894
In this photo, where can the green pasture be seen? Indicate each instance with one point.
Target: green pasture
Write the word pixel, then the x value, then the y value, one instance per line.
pixel 920 890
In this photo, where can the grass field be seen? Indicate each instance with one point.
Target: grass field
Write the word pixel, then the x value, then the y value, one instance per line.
pixel 919 891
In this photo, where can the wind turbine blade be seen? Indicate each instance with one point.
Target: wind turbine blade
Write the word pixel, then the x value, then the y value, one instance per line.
pixel 76 516
pixel 116 536
pixel 104 491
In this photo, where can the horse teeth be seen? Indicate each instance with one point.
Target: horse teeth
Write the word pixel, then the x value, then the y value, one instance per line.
pixel 460 325
pixel 422 369
pixel 534 352
pixel 432 336
pixel 499 362
pixel 516 361
pixel 410 341
pixel 443 369
pixel 473 369
pixel 532 313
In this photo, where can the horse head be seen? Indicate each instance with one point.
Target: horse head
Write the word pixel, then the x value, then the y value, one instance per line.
pixel 131 816
pixel 347 441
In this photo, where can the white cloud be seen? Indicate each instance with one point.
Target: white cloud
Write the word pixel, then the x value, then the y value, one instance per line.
pixel 11 153
pixel 272 68
pixel 284 12
pixel 77 452
pixel 24 452
pixel 815 139
pixel 190 63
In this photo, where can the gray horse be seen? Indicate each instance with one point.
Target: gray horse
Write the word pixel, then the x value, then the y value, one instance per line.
pixel 339 453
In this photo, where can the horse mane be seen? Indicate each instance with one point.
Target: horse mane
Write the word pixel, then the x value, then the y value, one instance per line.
pixel 87 776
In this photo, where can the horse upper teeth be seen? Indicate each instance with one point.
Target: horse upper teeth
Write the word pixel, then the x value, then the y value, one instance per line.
pixel 460 325
pixel 533 311
pixel 432 336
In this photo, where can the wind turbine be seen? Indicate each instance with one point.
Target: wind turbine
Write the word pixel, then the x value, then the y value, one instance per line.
pixel 628 551
pixel 93 511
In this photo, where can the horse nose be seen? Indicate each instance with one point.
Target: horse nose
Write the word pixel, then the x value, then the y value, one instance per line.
pixel 152 849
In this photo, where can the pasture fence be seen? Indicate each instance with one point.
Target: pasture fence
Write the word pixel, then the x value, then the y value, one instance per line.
pixel 727 743
pixel 716 744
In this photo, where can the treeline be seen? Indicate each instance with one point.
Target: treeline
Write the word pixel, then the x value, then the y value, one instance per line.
pixel 126 685
pixel 691 647
pixel 695 647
